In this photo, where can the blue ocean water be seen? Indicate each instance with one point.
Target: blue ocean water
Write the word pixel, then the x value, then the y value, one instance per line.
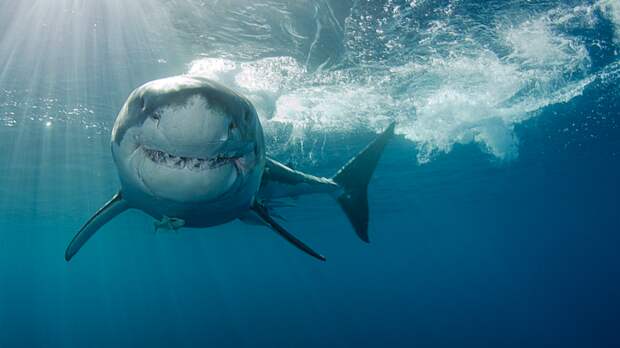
pixel 494 210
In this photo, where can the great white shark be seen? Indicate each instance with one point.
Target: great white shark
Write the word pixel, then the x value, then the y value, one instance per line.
pixel 190 152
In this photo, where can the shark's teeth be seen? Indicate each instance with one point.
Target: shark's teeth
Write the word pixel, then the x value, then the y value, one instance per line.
pixel 179 162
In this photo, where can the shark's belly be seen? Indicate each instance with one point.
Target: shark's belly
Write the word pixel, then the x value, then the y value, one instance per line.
pixel 226 208
pixel 203 215
pixel 198 214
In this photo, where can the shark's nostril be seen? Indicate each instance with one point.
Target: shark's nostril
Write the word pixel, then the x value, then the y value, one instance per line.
pixel 155 116
pixel 231 127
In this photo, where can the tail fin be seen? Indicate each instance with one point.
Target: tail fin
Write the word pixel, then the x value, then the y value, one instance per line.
pixel 354 178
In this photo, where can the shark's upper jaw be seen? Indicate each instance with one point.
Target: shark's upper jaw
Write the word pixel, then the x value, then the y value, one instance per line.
pixel 162 174
pixel 189 163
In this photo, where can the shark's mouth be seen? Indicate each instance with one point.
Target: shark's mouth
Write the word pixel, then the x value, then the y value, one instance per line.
pixel 191 163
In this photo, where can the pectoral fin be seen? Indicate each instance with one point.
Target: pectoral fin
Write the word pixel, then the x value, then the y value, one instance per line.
pixel 106 213
pixel 262 212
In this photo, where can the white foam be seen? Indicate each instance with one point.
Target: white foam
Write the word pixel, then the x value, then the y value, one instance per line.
pixel 214 68
pixel 611 9
pixel 262 81
pixel 475 97
pixel 534 44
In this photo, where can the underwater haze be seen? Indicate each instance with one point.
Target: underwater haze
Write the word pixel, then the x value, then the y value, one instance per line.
pixel 494 211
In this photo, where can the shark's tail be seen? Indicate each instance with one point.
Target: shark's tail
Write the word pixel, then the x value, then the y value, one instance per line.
pixel 354 176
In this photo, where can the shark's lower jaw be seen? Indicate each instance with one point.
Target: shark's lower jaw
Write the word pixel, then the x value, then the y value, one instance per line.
pixel 180 162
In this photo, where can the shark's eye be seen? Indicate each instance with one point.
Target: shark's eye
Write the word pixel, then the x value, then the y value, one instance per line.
pixel 142 106
pixel 247 116
pixel 232 126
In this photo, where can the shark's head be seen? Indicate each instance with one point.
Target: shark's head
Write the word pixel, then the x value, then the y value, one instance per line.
pixel 189 140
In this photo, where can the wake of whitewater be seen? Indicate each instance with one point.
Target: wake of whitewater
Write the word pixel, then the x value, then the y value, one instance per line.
pixel 477 95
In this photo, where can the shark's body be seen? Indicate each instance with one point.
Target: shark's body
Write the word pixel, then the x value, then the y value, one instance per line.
pixel 190 153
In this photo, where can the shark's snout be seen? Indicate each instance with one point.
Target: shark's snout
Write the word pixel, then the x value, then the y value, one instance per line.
pixel 197 128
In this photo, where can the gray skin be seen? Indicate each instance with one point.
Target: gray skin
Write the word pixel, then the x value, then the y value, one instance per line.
pixel 190 151
pixel 188 148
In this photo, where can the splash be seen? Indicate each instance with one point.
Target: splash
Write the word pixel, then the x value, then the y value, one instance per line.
pixel 611 10
pixel 475 95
